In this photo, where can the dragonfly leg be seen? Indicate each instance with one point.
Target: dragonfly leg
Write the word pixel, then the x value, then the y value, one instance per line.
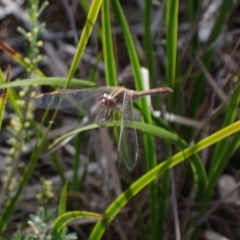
pixel 109 116
pixel 118 110
pixel 103 117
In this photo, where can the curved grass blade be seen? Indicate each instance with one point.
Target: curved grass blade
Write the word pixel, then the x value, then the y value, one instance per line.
pixel 147 178
pixel 91 19
pixel 68 217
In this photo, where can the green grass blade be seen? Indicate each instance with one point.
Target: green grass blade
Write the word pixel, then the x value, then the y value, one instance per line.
pixel 229 118
pixel 58 167
pixel 164 193
pixel 77 164
pixel 194 6
pixel 3 96
pixel 171 48
pixel 233 145
pixel 65 218
pixel 172 37
pixel 148 42
pixel 91 19
pixel 50 81
pixel 63 200
pixel 108 52
pixel 224 148
pixel 85 5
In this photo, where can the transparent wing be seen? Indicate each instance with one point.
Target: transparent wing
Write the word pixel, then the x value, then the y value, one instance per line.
pixel 128 144
pixel 71 100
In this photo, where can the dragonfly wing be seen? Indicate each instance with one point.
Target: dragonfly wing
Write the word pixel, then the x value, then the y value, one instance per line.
pixel 70 99
pixel 128 144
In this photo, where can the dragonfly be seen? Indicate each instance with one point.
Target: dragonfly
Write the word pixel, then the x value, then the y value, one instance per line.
pixel 105 101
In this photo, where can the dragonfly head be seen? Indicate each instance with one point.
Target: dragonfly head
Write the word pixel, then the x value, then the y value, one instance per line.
pixel 107 101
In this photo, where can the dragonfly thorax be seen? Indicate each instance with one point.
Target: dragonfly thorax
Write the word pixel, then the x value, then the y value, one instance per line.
pixel 107 101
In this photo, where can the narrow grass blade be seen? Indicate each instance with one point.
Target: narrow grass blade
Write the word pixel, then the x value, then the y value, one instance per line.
pixel 3 94
pixel 91 19
pixel 108 51
pixel 172 101
pixel 63 200
pixel 50 81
